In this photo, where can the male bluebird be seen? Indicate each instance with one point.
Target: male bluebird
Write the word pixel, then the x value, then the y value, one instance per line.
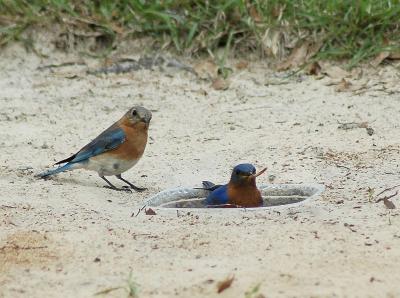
pixel 114 151
pixel 241 191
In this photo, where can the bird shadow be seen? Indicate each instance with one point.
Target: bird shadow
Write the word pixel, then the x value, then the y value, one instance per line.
pixel 87 182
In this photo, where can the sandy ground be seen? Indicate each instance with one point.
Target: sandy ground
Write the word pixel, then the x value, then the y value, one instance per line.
pixel 70 237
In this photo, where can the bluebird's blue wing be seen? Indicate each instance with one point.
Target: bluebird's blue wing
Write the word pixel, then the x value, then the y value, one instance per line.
pixel 218 196
pixel 110 139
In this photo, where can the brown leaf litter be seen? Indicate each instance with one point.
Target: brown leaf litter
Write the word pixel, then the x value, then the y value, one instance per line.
pixel 386 54
pixel 300 55
pixel 226 283
pixel 220 84
pixel 206 70
pixel 26 249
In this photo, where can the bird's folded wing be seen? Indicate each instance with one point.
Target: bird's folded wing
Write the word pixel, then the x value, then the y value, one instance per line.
pixel 218 196
pixel 106 141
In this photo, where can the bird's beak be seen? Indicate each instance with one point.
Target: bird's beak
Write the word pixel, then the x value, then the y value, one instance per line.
pixel 259 173
pixel 146 119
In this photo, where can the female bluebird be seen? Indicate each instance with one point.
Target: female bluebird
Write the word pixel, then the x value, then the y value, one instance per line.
pixel 114 151
pixel 241 191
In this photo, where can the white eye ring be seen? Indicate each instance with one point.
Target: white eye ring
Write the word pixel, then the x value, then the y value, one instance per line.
pixel 134 113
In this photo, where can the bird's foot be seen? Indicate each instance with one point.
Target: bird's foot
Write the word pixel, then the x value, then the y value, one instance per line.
pixel 118 189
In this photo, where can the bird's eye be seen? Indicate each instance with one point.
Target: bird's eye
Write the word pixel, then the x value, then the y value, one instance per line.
pixel 237 172
pixel 134 113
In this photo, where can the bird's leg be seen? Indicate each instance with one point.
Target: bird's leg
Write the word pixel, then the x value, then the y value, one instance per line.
pixel 130 184
pixel 111 186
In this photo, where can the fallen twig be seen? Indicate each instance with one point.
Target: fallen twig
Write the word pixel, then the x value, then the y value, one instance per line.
pixel 386 189
pixel 387 197
pixel 140 210
pixel 342 166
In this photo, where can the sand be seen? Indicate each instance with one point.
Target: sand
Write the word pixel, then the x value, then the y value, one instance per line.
pixel 70 237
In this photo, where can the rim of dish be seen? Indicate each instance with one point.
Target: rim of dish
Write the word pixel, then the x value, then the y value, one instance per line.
pixel 151 202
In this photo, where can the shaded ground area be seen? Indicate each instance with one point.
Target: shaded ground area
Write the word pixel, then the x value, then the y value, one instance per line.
pixel 70 237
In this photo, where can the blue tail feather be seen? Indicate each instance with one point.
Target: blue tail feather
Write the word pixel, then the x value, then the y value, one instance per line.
pixel 208 185
pixel 48 173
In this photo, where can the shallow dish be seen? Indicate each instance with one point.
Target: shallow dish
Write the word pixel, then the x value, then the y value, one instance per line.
pixel 274 195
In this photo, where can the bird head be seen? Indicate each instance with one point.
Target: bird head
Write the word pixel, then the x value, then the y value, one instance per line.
pixel 138 115
pixel 245 173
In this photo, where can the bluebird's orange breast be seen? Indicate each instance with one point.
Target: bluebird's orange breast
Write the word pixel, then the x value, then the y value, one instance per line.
pixel 244 195
pixel 135 142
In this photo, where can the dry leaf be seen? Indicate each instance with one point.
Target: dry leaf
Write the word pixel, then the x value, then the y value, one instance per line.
pixel 394 56
pixel 242 65
pixel 296 58
pixel 118 29
pixel 389 204
pixel 313 49
pixel 363 124
pixel 255 15
pixel 223 285
pixel 335 72
pixel 356 73
pixel 379 58
pixel 206 70
pixel 358 87
pixel 386 54
pixel 313 69
pixel 150 212
pixel 331 82
pixel 346 85
pixel 220 84
pixel 300 55
pixel 274 42
pixel 343 86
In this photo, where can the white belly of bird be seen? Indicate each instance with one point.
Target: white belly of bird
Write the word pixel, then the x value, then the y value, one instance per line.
pixel 108 166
